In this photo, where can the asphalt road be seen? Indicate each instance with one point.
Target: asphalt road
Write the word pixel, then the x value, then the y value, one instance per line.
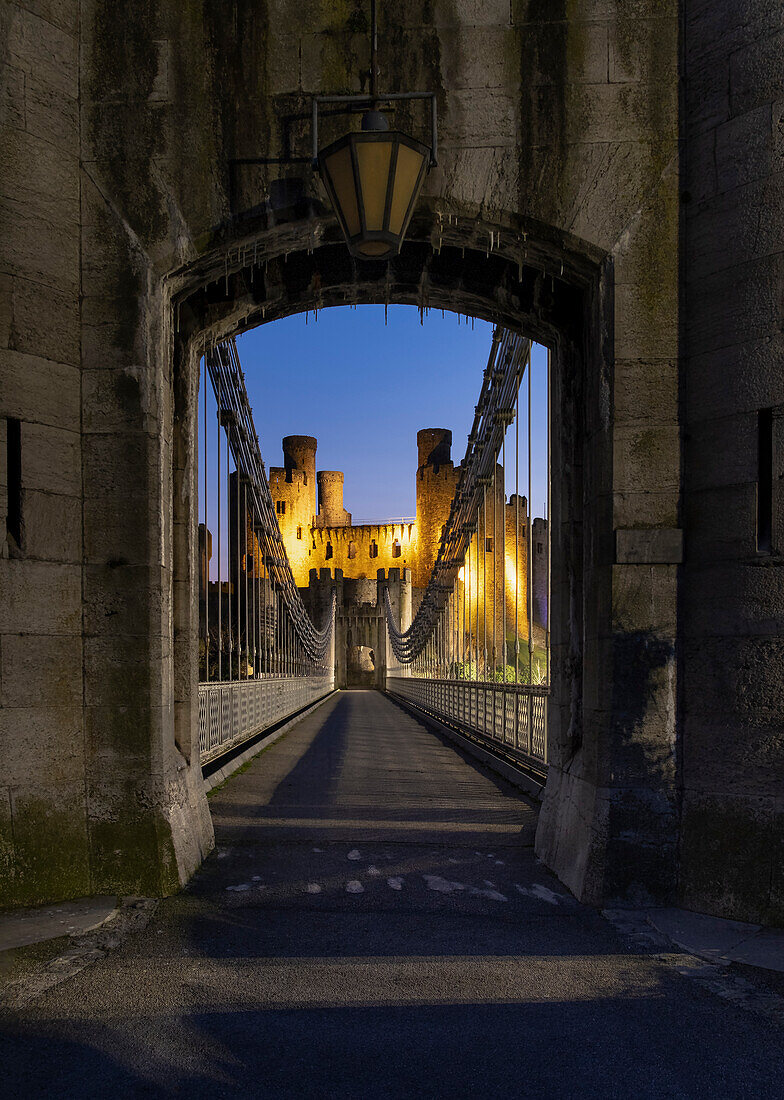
pixel 373 923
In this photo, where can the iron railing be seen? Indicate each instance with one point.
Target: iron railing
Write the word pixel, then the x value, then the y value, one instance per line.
pixel 231 712
pixel 511 715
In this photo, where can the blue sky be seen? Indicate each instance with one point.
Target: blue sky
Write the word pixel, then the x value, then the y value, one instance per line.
pixel 364 388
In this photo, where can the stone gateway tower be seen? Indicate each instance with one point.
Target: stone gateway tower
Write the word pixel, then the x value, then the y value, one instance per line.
pixel 609 184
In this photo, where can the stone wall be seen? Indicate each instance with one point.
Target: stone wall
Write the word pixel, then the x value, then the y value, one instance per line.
pixel 156 195
pixel 732 607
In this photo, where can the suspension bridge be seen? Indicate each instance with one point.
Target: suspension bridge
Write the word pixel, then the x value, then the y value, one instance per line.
pixel 465 657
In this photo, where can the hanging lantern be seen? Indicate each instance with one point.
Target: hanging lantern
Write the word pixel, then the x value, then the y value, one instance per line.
pixel 373 179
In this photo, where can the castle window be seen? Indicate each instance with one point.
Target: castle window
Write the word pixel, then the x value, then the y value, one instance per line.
pixel 488 546
pixel 280 507
pixel 396 548
pixel 328 552
pixel 373 549
pixel 352 550
pixel 299 532
pixel 539 547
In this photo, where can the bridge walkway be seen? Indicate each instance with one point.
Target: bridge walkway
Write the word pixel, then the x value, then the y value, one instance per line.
pixel 374 923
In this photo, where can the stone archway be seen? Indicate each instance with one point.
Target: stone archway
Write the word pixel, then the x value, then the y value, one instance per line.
pixel 561 295
pixel 164 196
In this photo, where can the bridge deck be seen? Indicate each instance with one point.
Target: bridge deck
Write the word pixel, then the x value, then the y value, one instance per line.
pixel 374 923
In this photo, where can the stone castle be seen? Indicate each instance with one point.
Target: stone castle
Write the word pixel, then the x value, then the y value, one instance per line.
pixel 319 533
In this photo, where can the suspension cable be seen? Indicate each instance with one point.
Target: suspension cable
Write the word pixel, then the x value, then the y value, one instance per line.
pixel 236 418
pixel 509 355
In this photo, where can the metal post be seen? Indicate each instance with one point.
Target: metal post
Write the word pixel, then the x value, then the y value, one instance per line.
pixel 206 532
pixel 530 541
pixel 220 536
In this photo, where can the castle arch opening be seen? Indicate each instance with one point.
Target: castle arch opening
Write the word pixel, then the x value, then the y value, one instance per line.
pixel 553 293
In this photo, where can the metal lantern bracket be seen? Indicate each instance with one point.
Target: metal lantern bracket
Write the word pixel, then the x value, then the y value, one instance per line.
pixel 353 103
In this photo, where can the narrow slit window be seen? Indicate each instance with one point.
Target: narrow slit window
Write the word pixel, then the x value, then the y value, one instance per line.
pixel 299 532
pixel 374 549
pixel 488 546
pixel 765 481
pixel 280 507
pixel 14 467
pixel 328 553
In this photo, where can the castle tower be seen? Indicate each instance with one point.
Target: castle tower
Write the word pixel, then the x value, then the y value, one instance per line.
pixel 293 488
pixel 331 512
pixel 299 458
pixel 436 482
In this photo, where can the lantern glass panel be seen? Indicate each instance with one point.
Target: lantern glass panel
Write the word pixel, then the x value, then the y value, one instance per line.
pixel 409 165
pixel 373 159
pixel 341 172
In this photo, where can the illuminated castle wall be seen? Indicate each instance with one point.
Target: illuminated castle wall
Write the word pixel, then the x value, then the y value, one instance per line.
pixel 319 534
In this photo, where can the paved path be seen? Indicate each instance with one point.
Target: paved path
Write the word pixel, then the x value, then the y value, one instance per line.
pixel 374 924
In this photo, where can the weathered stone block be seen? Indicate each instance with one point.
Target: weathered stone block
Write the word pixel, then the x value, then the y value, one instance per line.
pixel 652 545
pixel 34 168
pixel 41 746
pixel 42 670
pixel 46 871
pixel 52 527
pixel 108 460
pixel 708 93
pixel 41 321
pixel 644 597
pixel 645 390
pixel 45 50
pixel 643 329
pixel 479 57
pixel 723 452
pixel 480 117
pixel 646 458
pixel 751 378
pixel 716 745
pixel 119 671
pixel 726 852
pixel 735 678
pixel 121 599
pixel 124 733
pixel 118 400
pixel 51 460
pixel 113 532
pixel 756 72
pixel 40 597
pixel 50 115
pixel 741 216
pixel 721 523
pixel 12 98
pixel 733 597
pixel 744 149
pixel 644 48
pixel 744 305
pixel 60 13
pixel 38 245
